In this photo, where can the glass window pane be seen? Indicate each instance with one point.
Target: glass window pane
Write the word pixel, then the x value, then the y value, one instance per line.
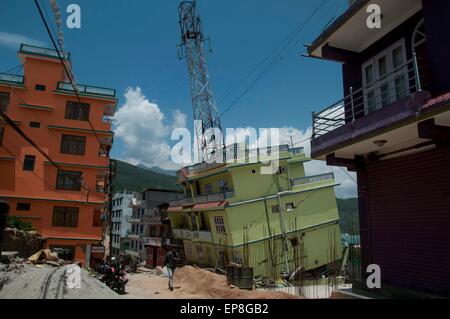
pixel 385 94
pixel 400 87
pixel 371 103
pixel 382 66
pixel 369 74
pixel 397 57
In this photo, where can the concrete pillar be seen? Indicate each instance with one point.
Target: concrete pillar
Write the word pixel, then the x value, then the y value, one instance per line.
pixel 88 256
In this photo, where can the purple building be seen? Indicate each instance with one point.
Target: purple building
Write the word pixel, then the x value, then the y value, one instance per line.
pixel 393 129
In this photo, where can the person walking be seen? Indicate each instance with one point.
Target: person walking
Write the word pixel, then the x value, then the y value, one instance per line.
pixel 170 262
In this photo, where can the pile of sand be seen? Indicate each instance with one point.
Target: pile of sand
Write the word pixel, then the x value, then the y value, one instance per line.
pixel 205 284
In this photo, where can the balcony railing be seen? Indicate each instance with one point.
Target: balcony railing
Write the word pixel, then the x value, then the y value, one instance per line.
pixel 230 154
pixel 85 89
pixel 313 179
pixel 11 78
pixel 394 86
pixel 25 48
pixel 216 197
pixel 182 233
pixel 203 236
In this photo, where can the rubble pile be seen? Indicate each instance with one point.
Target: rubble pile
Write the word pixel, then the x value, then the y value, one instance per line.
pixel 25 243
pixel 27 281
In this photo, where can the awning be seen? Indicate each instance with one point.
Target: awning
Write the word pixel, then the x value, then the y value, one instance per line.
pixel 210 206
pixel 175 209
pixel 70 235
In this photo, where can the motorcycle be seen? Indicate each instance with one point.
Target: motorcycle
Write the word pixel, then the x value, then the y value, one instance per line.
pixel 114 276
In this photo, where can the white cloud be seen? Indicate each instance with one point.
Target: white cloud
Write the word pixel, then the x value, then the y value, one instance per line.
pixel 145 130
pixel 14 40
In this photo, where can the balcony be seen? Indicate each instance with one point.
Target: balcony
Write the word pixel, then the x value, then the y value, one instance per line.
pixel 31 49
pixel 182 233
pixel 313 179
pixel 11 79
pixel 216 197
pixel 86 89
pixel 395 97
pixel 202 236
pixel 133 220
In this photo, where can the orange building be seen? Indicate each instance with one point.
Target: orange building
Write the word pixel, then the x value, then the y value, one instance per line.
pixel 64 202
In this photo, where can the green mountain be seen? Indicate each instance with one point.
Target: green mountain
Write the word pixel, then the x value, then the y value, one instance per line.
pixel 134 178
pixel 348 212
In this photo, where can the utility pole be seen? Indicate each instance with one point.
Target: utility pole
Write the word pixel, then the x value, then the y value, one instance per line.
pixel 111 176
pixel 283 232
pixel 206 115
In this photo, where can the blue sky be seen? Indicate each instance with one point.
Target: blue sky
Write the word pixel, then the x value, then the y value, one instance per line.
pixel 126 44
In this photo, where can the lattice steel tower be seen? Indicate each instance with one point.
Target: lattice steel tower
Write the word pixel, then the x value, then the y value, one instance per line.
pixel 203 101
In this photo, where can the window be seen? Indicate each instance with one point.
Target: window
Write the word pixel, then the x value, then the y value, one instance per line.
pixel 72 144
pixel 188 251
pixel 65 217
pixel 23 206
pixel 275 209
pixel 220 224
pixel 208 188
pixel 289 207
pixel 69 180
pixel 199 252
pixel 39 87
pixel 385 78
pixel 35 124
pixel 28 163
pixel 4 101
pixel 97 218
pixel 1 134
pixel 64 252
pixel 77 111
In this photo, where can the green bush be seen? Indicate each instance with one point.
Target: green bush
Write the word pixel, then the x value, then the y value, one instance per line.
pixel 14 222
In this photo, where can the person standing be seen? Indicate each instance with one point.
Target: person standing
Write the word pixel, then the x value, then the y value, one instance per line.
pixel 4 210
pixel 170 262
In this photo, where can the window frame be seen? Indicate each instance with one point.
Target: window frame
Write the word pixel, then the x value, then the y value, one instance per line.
pixel 66 210
pixel 4 96
pixel 61 186
pixel 22 209
pixel 219 223
pixel 379 82
pixel 70 145
pixel 26 162
pixel 70 112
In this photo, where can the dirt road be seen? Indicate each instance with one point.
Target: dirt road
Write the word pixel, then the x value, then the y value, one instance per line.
pixel 192 283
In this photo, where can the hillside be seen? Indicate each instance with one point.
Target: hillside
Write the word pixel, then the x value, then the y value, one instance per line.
pixel 133 178
pixel 348 212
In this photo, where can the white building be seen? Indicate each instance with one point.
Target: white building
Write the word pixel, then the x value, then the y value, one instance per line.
pixel 121 212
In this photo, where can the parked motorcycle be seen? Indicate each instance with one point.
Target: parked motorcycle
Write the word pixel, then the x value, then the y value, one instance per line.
pixel 113 275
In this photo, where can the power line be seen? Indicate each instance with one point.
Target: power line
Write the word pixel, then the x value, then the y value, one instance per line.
pixel 74 87
pixel 276 59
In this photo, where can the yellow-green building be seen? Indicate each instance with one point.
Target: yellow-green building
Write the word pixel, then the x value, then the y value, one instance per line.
pixel 231 213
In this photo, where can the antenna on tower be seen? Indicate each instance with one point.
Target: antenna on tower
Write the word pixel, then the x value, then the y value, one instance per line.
pixel 206 115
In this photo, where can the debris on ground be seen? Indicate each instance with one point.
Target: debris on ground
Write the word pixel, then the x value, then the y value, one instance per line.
pixel 192 283
pixel 27 281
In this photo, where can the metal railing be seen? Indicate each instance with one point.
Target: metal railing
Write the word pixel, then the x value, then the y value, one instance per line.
pixel 86 89
pixel 231 154
pixel 182 233
pixel 11 78
pixel 313 179
pixel 202 235
pixel 26 48
pixel 394 86
pixel 216 197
